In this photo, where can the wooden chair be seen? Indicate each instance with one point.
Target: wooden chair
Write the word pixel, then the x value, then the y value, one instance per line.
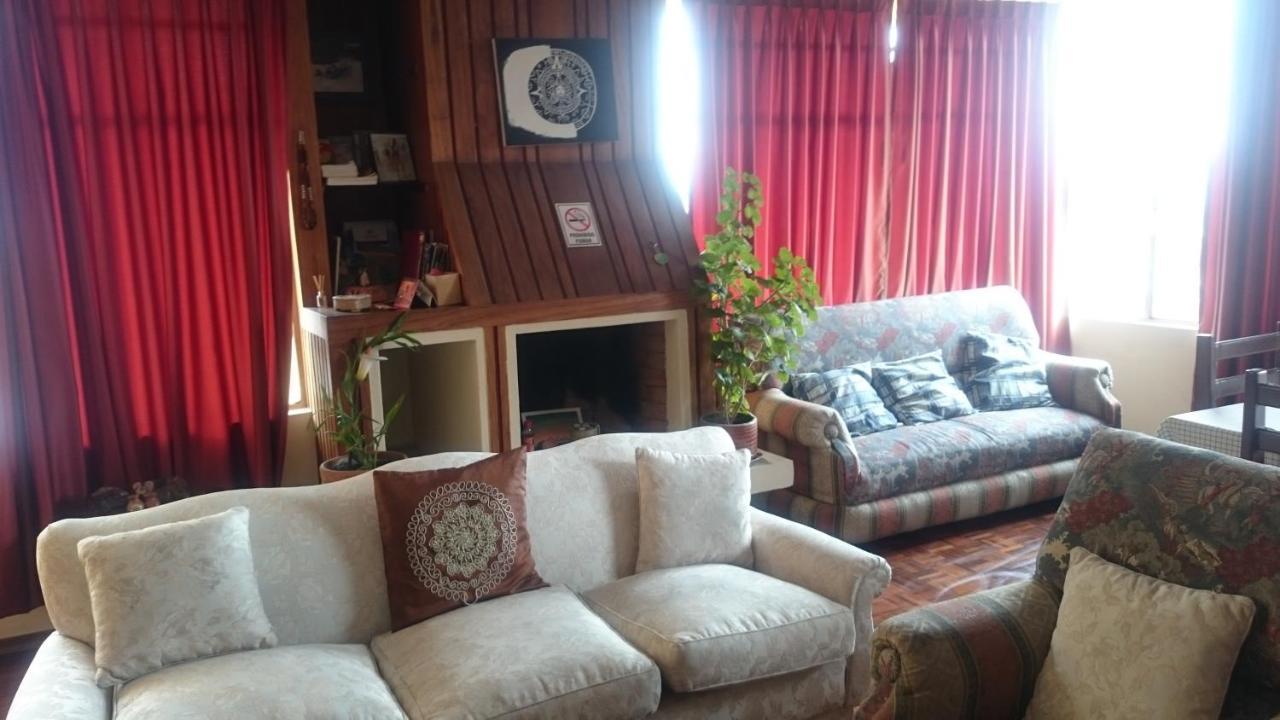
pixel 1207 389
pixel 1255 437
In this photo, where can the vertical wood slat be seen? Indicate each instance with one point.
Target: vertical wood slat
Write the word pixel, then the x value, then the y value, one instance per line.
pixel 310 245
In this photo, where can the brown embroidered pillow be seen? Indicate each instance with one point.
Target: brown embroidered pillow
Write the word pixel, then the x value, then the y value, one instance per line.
pixel 455 536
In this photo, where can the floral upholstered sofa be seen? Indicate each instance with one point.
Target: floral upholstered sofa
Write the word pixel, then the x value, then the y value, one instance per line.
pixel 1184 515
pixel 786 638
pixel 914 476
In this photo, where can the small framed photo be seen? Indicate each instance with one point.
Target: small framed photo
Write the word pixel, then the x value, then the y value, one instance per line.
pixel 338 66
pixel 552 427
pixel 392 157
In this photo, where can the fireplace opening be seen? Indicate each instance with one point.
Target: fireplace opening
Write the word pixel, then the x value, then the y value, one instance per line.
pixel 610 378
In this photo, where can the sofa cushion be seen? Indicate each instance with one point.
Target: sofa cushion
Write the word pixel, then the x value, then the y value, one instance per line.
pixel 538 654
pixel 693 508
pixel 1132 646
pixel 173 592
pixel 299 682
pixel 919 389
pixel 713 625
pixel 848 391
pixel 454 536
pixel 1003 373
pixel 920 457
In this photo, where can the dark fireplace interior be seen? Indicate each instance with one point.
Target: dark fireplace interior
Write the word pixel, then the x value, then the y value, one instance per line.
pixel 614 375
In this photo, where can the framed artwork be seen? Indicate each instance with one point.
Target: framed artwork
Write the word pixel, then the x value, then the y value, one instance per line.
pixel 338 66
pixel 552 427
pixel 555 91
pixel 391 157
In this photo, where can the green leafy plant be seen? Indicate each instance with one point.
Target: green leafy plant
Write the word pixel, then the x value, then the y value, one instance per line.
pixel 348 418
pixel 755 319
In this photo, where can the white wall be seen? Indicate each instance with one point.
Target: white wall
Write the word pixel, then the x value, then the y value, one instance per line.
pixel 1153 364
pixel 300 464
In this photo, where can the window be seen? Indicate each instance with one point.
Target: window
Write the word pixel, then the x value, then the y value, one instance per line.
pixel 678 99
pixel 1141 96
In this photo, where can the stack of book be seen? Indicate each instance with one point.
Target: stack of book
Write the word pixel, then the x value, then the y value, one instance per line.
pixel 347 160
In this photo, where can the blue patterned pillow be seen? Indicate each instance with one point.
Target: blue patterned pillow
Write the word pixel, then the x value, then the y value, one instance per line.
pixel 919 389
pixel 1003 373
pixel 848 391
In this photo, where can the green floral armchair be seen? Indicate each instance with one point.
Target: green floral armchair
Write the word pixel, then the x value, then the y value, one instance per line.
pixel 1181 514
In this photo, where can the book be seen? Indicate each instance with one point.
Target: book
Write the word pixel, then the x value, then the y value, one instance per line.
pixel 340 170
pixel 370 179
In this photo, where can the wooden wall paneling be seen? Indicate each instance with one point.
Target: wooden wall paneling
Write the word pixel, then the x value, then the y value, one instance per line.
pixel 630 233
pixel 462 240
pixel 439 103
pixel 461 80
pixel 643 44
pixel 626 262
pixel 493 254
pixel 546 252
pixel 311 247
pixel 527 275
pixel 554 19
pixel 537 216
pixel 619 17
pixel 596 270
pixel 650 225
pixel 675 227
pixel 495 360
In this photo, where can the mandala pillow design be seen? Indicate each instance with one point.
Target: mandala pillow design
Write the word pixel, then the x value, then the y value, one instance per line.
pixel 454 537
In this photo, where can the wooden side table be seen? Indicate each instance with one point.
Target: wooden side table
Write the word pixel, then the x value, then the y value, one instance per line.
pixel 771 472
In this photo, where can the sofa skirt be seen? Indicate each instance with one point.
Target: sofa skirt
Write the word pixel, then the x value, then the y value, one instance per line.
pixel 924 508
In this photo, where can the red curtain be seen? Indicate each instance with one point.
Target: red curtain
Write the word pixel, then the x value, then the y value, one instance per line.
pixel 927 174
pixel 1240 261
pixel 798 96
pixel 146 293
pixel 972 185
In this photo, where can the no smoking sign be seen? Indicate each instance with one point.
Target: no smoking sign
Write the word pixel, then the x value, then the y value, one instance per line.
pixel 578 224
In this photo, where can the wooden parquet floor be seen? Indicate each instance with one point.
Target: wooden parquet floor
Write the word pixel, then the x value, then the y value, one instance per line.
pixel 958 559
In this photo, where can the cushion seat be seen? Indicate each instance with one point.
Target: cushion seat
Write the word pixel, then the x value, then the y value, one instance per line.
pixel 921 457
pixel 536 654
pixel 708 626
pixel 299 682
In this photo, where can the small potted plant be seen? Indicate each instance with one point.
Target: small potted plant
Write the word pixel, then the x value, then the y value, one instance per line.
pixel 755 319
pixel 348 418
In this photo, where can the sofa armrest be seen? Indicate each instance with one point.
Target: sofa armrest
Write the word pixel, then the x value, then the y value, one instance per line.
pixel 59 684
pixel 799 421
pixel 1084 385
pixel 829 567
pixel 972 658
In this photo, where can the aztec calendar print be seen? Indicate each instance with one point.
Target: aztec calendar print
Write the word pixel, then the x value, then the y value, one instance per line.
pixel 562 88
pixel 461 540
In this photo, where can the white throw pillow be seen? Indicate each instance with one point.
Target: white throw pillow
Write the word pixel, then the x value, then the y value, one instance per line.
pixel 1132 646
pixel 694 509
pixel 173 592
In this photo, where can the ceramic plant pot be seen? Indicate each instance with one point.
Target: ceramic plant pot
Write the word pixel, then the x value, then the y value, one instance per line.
pixel 329 474
pixel 741 428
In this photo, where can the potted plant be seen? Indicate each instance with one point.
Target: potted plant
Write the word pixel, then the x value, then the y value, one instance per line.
pixel 755 319
pixel 348 418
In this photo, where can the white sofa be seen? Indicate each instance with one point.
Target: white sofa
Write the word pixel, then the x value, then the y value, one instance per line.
pixel 543 653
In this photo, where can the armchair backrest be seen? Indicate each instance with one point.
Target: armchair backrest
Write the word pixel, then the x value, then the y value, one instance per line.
pixel 886 330
pixel 1181 514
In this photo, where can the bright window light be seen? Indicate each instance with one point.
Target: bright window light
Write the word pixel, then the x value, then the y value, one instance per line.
pixel 1142 99
pixel 678 99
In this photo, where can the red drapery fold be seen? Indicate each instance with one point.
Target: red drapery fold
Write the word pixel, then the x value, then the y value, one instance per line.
pixel 146 264
pixel 1240 260
pixel 798 96
pixel 972 186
